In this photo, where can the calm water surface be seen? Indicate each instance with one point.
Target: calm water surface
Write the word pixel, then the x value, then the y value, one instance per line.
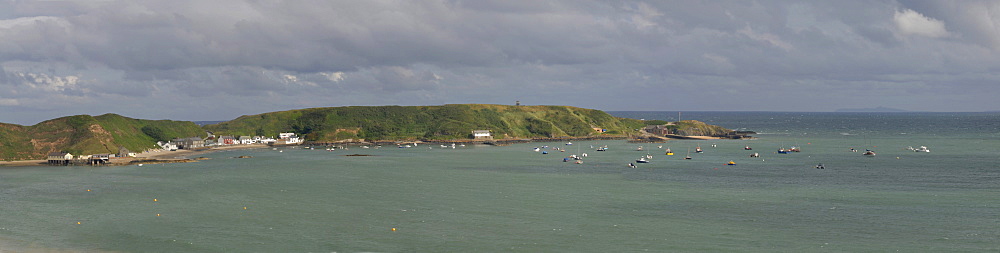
pixel 512 199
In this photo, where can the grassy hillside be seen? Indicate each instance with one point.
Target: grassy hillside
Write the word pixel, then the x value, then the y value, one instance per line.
pixel 428 122
pixel 698 128
pixel 85 134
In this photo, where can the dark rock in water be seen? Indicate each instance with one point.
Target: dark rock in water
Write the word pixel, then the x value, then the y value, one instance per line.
pixel 357 155
pixel 244 156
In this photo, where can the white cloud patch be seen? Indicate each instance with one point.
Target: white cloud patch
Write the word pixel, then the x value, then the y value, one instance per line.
pixel 334 77
pixel 49 83
pixel 910 22
pixel 644 17
pixel 27 21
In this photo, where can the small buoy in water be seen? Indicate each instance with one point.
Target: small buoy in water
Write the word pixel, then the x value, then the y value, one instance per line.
pixel 140 165
pixel 88 190
pixel 244 208
pixel 77 223
pixel 154 200
pixel 157 215
pixel 394 229
pixel 897 157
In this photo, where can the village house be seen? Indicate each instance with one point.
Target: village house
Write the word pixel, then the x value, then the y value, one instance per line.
pixel 167 145
pixel 59 158
pixel 482 135
pixel 658 130
pixel 245 140
pixel 288 139
pixel 98 159
pixel 189 143
pixel 226 140
pixel 267 140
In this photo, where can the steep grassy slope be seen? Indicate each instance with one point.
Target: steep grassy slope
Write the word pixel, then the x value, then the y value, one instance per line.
pixel 85 134
pixel 698 128
pixel 428 122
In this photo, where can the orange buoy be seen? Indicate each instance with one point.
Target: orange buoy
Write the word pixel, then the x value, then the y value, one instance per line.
pixel 394 229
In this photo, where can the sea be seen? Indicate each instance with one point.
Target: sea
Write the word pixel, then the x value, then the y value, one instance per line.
pixel 478 198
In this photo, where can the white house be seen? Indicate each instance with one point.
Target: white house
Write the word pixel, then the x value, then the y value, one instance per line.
pixel 167 145
pixel 245 140
pixel 481 134
pixel 59 158
pixel 288 138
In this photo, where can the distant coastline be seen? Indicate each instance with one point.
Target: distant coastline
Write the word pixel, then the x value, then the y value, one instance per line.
pixel 875 109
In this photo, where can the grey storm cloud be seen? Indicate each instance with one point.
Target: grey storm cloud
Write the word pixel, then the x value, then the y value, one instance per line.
pixel 618 55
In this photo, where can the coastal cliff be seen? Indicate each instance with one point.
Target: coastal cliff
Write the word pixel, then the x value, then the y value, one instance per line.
pixel 85 134
pixel 443 122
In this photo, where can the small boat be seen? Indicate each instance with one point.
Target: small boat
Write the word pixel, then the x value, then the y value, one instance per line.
pixel 545 152
pixel 569 143
pixel 602 149
pixel 794 149
pixel 669 152
pixel 631 165
pixel 755 154
pixel 869 152
pixel 820 166
pixel 921 149
pixel 688 157
pixel 747 148
pixel 639 149
pixel 782 151
pixel 698 150
pixel 641 160
pixel 731 162
pixel 648 156
pixel 537 149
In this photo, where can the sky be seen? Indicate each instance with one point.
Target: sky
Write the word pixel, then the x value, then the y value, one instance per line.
pixel 219 59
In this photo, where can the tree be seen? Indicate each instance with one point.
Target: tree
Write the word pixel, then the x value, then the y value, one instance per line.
pixel 156 133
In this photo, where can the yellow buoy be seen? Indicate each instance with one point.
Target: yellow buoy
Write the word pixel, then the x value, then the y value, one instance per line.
pixel 154 200
pixel 157 215
pixel 77 223
pixel 88 190
pixel 244 208
pixel 393 229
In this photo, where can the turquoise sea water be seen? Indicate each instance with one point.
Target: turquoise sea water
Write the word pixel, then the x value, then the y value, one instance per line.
pixel 512 199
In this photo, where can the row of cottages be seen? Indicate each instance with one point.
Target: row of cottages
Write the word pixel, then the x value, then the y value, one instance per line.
pixel 189 143
pixel 197 142
pixel 64 158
